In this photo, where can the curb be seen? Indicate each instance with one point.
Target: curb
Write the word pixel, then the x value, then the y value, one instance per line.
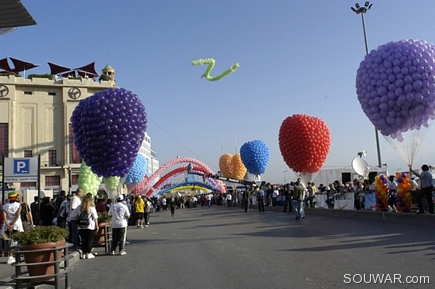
pixel 409 218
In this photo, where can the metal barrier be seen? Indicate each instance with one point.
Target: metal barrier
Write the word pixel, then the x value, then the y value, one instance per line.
pixel 108 238
pixel 61 269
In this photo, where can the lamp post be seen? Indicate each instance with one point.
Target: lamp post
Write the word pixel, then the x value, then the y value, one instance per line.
pixel 362 10
pixel 284 177
pixel 69 179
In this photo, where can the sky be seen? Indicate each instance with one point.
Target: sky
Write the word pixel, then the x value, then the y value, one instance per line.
pixel 296 57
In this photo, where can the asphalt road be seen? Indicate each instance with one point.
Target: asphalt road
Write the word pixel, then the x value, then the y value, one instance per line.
pixel 221 248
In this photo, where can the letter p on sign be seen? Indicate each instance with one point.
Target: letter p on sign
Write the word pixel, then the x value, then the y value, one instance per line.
pixel 21 167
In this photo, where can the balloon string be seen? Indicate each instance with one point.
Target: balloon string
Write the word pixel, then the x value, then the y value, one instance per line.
pixel 211 62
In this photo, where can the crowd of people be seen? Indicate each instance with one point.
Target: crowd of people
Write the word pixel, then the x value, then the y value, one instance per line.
pixel 79 212
pixel 295 196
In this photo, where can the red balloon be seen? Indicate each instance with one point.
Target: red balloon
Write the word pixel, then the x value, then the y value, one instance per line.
pixel 304 142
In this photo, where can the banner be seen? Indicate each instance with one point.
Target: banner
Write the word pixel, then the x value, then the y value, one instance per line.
pixel 344 201
pixel 370 201
pixel 321 201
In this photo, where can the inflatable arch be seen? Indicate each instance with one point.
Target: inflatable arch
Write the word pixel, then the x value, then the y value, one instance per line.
pixel 185 186
pixel 173 174
pixel 145 186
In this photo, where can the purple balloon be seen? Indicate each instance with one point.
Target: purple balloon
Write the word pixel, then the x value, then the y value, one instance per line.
pixel 103 134
pixel 395 85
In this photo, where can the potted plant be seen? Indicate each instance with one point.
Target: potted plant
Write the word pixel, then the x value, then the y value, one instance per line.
pixel 103 222
pixel 40 237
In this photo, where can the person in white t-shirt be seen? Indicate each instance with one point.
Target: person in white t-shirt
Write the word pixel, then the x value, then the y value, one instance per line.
pixel 392 192
pixel 209 198
pixel 73 238
pixel 12 222
pixel 87 232
pixel 195 201
pixel 275 194
pixel 228 199
pixel 120 215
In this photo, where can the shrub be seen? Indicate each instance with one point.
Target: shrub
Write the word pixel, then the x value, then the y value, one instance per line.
pixel 40 234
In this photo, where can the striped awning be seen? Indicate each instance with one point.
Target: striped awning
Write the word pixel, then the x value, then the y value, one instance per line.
pixel 14 14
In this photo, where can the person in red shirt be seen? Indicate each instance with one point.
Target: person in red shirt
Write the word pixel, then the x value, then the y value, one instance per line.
pixel 101 207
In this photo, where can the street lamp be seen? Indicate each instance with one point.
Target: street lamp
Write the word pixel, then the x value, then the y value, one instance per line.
pixel 362 10
pixel 284 177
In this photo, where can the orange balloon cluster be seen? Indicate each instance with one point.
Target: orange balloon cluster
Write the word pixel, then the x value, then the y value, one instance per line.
pixel 403 195
pixel 381 190
pixel 231 166
pixel 304 142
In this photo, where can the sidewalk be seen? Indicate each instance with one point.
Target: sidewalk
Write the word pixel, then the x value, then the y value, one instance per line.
pixel 7 271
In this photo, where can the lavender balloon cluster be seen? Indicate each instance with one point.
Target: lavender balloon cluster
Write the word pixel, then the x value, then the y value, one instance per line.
pixel 255 156
pixel 395 85
pixel 109 128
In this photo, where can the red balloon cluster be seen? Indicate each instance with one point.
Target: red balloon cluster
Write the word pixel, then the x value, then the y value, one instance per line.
pixel 304 142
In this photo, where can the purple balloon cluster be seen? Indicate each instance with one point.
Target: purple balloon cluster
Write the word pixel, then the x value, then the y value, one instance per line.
pixel 396 86
pixel 255 156
pixel 109 128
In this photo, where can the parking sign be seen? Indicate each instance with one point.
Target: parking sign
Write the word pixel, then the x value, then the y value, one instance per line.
pixel 21 170
pixel 21 167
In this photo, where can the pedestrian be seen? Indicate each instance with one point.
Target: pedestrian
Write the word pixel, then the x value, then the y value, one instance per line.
pixel 139 206
pixel 260 200
pixel 245 199
pixel 426 188
pixel 298 197
pixel 195 201
pixel 287 197
pixel 268 194
pixel 172 204
pixel 275 194
pixel 308 201
pixel 148 206
pixel 11 223
pixel 26 215
pixel 59 201
pixel 68 218
pixel 228 199
pixel 46 212
pixel 101 206
pixel 392 192
pixel 34 208
pixel 120 215
pixel 109 204
pixel 158 204
pixel 72 225
pixel 330 192
pixel 63 212
pixel 164 206
pixel 86 218
pixel 153 204
pixel 209 198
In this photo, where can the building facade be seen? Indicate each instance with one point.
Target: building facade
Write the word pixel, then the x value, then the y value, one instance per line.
pixel 150 154
pixel 35 121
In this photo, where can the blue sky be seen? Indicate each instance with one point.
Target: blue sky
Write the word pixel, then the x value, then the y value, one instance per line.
pixel 295 57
